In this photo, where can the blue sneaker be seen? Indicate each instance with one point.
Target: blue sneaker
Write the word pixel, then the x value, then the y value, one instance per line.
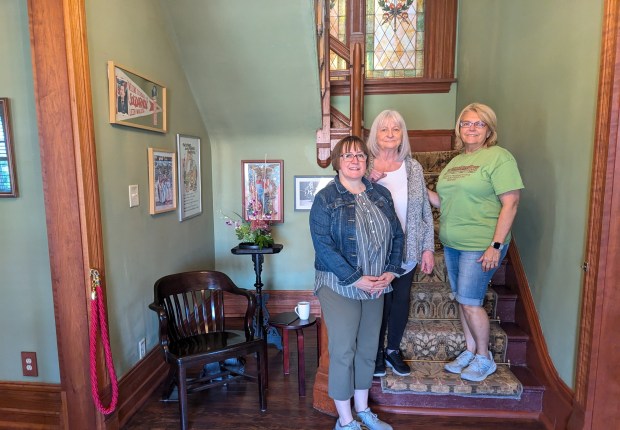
pixel 479 368
pixel 353 425
pixel 371 421
pixel 461 362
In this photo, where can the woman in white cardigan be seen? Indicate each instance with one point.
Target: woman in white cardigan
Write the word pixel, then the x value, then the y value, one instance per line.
pixel 392 166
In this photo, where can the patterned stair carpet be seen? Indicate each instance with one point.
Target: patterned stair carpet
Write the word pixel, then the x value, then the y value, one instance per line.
pixel 434 336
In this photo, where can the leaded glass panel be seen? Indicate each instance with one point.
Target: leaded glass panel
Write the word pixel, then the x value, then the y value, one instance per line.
pixel 394 38
pixel 337 29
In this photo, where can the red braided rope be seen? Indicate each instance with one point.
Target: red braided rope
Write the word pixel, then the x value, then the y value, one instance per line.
pixel 98 320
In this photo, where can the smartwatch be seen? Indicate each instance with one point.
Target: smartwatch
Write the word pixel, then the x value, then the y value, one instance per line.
pixel 497 245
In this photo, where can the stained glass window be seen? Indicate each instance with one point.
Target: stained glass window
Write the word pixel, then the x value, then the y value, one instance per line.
pixel 394 38
pixel 337 29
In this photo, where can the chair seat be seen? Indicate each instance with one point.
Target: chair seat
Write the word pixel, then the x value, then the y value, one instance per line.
pixel 208 343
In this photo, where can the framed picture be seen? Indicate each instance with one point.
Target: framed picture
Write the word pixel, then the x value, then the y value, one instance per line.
pixel 190 195
pixel 135 100
pixel 162 180
pixel 261 182
pixel 8 174
pixel 306 188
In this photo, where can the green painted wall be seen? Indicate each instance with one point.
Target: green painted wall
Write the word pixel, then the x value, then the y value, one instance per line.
pixel 140 248
pixel 536 63
pixel 26 308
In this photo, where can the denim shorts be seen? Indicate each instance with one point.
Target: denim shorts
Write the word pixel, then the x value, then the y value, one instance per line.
pixel 467 280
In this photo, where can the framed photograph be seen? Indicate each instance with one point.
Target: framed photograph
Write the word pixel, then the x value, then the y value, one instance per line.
pixel 190 195
pixel 306 188
pixel 8 174
pixel 162 180
pixel 135 100
pixel 261 183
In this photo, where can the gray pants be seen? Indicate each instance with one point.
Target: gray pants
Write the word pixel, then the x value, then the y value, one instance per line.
pixel 353 332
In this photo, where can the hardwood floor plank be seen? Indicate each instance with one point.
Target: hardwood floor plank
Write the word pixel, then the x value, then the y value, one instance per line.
pixel 236 405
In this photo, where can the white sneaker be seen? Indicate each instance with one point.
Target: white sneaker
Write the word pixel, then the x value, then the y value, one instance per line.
pixel 461 362
pixel 479 368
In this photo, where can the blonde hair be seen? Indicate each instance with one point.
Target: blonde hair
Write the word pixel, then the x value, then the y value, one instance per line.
pixel 486 115
pixel 404 149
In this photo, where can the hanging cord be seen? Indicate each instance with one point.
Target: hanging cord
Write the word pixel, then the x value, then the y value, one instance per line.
pixel 98 321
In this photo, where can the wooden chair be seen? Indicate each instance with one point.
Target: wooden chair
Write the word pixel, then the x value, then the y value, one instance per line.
pixel 190 307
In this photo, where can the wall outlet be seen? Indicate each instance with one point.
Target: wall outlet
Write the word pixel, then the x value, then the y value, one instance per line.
pixel 141 348
pixel 29 364
pixel 134 196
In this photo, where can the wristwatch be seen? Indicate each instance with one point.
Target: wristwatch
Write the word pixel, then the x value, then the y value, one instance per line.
pixel 497 245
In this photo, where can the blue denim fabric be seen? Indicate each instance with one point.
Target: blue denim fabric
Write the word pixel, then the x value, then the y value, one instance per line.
pixel 332 227
pixel 467 280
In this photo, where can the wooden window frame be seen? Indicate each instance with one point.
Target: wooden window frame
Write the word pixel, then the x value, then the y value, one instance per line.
pixel 439 52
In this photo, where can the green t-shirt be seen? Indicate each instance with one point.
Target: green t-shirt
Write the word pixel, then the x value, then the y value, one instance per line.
pixel 468 188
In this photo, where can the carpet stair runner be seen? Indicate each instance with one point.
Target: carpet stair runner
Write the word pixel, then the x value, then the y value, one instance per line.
pixel 434 336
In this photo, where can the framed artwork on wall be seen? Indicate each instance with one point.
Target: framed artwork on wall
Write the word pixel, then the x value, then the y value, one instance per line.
pixel 190 196
pixel 135 100
pixel 261 190
pixel 8 174
pixel 306 188
pixel 162 180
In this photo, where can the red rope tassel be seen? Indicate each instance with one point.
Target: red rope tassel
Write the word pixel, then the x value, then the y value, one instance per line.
pixel 97 320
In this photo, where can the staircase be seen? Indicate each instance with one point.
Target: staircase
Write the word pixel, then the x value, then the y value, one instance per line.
pixel 434 336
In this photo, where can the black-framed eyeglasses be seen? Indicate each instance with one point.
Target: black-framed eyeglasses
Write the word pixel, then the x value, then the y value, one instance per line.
pixel 477 124
pixel 349 156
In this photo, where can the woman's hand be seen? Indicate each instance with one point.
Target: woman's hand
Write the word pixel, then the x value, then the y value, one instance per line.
pixel 490 259
pixel 375 175
pixel 374 284
pixel 433 198
pixel 428 262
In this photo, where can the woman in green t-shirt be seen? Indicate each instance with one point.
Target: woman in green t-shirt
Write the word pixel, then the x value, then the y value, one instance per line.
pixel 478 193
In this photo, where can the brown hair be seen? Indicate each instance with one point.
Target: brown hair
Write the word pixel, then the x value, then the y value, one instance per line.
pixel 344 145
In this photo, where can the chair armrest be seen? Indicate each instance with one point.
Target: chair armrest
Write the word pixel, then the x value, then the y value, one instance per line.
pixel 249 312
pixel 163 324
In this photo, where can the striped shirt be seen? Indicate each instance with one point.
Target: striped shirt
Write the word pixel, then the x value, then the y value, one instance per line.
pixel 373 237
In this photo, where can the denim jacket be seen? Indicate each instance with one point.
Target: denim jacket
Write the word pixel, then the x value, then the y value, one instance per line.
pixel 332 227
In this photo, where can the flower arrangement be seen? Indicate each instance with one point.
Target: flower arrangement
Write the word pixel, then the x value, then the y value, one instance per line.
pixel 394 9
pixel 254 232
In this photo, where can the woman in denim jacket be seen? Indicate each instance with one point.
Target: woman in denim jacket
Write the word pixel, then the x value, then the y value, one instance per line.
pixel 358 244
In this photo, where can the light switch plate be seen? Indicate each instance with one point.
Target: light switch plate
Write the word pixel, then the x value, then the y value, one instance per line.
pixel 134 196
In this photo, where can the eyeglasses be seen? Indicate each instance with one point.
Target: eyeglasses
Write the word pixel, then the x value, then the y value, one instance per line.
pixel 477 124
pixel 349 156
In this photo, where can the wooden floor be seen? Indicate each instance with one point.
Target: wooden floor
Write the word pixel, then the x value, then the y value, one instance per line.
pixel 236 406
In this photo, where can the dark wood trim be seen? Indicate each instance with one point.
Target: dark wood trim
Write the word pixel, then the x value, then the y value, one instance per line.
pixel 29 405
pixel 597 377
pixel 138 384
pixel 431 140
pixel 395 86
pixel 278 301
pixel 440 38
pixel 558 397
pixel 66 137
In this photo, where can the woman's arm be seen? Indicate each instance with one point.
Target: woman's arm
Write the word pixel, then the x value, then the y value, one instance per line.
pixel 510 202
pixel 325 247
pixel 433 198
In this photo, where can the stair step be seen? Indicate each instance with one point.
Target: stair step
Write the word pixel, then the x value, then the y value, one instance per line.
pixel 437 389
pixel 506 303
pixel 443 340
pixel 435 300
pixel 516 350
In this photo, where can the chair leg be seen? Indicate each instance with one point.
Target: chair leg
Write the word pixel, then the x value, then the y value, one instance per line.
pixel 261 365
pixel 169 384
pixel 182 385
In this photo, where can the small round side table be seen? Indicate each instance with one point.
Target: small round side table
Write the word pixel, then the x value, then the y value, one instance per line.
pixel 290 321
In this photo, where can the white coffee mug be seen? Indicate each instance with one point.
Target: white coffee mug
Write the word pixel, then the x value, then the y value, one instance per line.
pixel 303 310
